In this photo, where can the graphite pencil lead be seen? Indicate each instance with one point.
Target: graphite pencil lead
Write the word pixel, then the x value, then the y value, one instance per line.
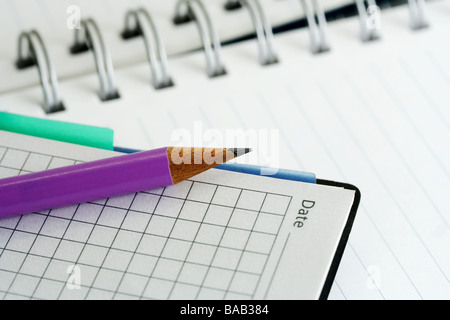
pixel 239 151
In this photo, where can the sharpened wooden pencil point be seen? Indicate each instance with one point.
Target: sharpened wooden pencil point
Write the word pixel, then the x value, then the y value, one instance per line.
pixel 184 163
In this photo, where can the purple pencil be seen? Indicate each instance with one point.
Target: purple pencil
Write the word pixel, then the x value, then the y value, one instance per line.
pixel 107 178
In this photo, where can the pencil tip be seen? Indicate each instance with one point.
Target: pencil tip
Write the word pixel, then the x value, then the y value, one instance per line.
pixel 240 151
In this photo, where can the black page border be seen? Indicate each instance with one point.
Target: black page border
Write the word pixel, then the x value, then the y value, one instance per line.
pixel 345 235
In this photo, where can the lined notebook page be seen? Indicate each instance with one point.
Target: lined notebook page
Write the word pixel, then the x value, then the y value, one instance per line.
pixel 221 235
pixel 375 115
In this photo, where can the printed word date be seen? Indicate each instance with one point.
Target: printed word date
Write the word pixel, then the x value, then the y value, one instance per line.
pixel 302 214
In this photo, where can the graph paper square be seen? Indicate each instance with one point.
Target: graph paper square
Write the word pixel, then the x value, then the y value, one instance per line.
pixel 31 223
pixel 65 213
pixel 117 260
pixel 93 255
pixel 226 196
pixel 123 202
pixel 5 234
pixel 194 211
pixel 44 246
pixel 142 264
pixel 145 202
pixel 201 253
pixel 218 278
pixel 180 192
pixel 244 283
pixel 210 234
pixel 127 240
pixel 34 265
pixel 88 212
pixel 235 238
pixel 185 230
pixel 132 284
pixel 108 279
pixel 183 291
pixel 226 258
pixel 9 223
pixel 102 236
pixel 14 159
pixel 276 204
pixel 158 289
pixel 59 163
pixel 136 221
pixel 2 153
pixel 243 219
pixel 167 269
pixel 176 249
pixel 112 217
pixel 21 241
pixel 260 242
pixel 54 227
pixel 169 207
pixel 68 250
pixel 88 274
pixel 151 245
pixel 7 278
pixel 58 270
pixel 8 172
pixel 251 200
pixel 78 231
pixel 268 223
pixel 37 162
pixel 48 289
pixel 161 226
pixel 218 215
pixel 24 285
pixel 193 273
pixel 252 262
pixel 11 261
pixel 202 192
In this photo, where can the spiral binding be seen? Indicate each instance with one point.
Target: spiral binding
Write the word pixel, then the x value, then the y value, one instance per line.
pixel 418 19
pixel 317 25
pixel 93 40
pixel 368 33
pixel 37 55
pixel 188 10
pixel 145 27
pixel 263 29
pixel 139 23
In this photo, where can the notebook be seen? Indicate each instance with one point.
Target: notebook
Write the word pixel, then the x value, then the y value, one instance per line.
pixel 220 235
pixel 373 114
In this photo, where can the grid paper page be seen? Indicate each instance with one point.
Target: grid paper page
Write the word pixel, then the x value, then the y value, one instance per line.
pixel 196 240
